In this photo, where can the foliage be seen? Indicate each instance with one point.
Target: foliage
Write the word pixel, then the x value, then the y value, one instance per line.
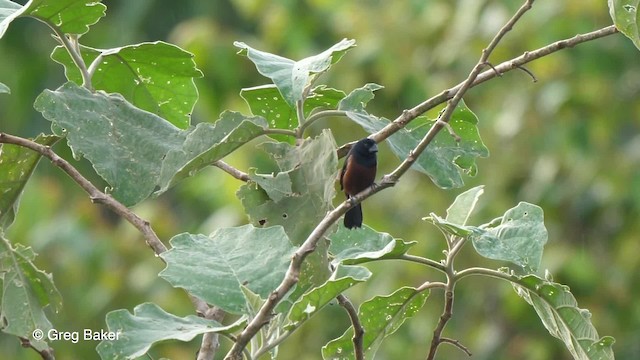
pixel 127 110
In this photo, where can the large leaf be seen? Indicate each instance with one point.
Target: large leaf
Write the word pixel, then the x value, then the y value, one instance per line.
pixel 364 245
pixel 626 18
pixel 292 77
pixel 559 312
pixel 215 267
pixel 157 77
pixel 126 144
pixel 69 16
pixel 8 12
pixel 311 302
pixel 381 317
pixel 136 333
pixel 519 237
pixel 26 292
pixel 16 166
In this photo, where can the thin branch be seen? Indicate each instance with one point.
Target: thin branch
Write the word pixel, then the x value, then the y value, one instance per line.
pixel 317 116
pixel 444 318
pixel 309 245
pixel 98 196
pixel 424 261
pixel 358 330
pixel 210 341
pixel 231 170
pixel 280 132
pixel 457 344
pixel 45 354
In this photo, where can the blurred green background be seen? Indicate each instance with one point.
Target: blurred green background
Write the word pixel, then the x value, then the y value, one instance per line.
pixel 569 143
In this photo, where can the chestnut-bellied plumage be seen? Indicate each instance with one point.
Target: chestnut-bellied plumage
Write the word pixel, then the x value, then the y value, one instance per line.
pixel 358 173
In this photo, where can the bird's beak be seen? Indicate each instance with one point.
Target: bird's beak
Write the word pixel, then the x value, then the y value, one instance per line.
pixel 373 149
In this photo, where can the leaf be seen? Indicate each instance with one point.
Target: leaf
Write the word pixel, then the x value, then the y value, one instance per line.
pixel 124 143
pixel 358 99
pixel 444 159
pixel 292 77
pixel 380 317
pixel 463 205
pixel 26 292
pixel 625 16
pixel 207 143
pixel 8 12
pixel 276 186
pixel 16 166
pixel 447 227
pixel 148 324
pixel 157 77
pixel 70 16
pixel 365 244
pixel 214 267
pixel 559 312
pixel 4 89
pixel 311 302
pixel 267 101
pixel 519 238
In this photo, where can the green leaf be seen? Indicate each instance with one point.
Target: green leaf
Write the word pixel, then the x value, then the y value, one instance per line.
pixel 266 101
pixel 26 292
pixel 519 238
pixel 311 302
pixel 70 16
pixel 365 244
pixel 8 12
pixel 207 143
pixel 358 99
pixel 214 267
pixel 381 317
pixel 157 77
pixel 559 312
pixel 292 77
pixel 312 169
pixel 4 89
pixel 16 166
pixel 444 159
pixel 463 205
pixel 448 227
pixel 148 324
pixel 124 143
pixel 276 186
pixel 626 18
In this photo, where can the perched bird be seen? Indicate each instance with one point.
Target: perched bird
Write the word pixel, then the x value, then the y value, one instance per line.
pixel 358 173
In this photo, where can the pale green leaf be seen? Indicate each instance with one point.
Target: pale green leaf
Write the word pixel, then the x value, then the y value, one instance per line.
pixel 626 17
pixel 4 89
pixel 157 77
pixel 26 292
pixel 9 10
pixel 149 324
pixel 292 77
pixel 463 205
pixel 559 312
pixel 214 267
pixel 311 302
pixel 16 166
pixel 70 16
pixel 381 317
pixel 365 244
pixel 276 186
pixel 518 238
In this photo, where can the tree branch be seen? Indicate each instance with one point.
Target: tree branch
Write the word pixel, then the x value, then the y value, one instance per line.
pixel 231 170
pixel 358 330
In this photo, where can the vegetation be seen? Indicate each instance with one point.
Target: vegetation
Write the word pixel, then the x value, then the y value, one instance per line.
pixel 126 126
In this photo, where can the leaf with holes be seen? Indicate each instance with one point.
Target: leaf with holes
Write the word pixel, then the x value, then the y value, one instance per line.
pixel 383 315
pixel 519 238
pixel 157 77
pixel 559 312
pixel 626 17
pixel 69 16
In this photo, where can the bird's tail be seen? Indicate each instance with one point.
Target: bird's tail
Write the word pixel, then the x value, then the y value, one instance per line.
pixel 353 217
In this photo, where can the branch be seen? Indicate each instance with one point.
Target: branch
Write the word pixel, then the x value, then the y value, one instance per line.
pixel 358 330
pixel 309 245
pixel 231 170
pixel 98 196
pixel 46 354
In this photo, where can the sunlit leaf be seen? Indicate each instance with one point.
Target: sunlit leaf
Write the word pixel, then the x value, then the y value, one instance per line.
pixel 4 89
pixel 365 244
pixel 70 16
pixel 463 205
pixel 626 17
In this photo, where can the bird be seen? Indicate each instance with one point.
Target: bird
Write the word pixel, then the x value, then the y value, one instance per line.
pixel 358 173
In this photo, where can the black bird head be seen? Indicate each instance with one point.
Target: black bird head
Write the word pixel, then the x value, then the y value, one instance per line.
pixel 365 150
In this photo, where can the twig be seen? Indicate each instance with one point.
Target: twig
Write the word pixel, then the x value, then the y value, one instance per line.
pixel 358 330
pixel 98 196
pixel 231 170
pixel 45 354
pixel 309 245
pixel 456 343
pixel 210 341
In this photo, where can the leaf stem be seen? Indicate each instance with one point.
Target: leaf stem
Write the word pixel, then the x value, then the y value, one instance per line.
pixel 317 116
